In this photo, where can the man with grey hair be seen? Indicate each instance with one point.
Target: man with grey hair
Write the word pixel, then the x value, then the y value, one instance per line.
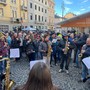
pixel 85 53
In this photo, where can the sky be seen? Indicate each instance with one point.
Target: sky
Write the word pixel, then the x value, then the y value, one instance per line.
pixel 75 6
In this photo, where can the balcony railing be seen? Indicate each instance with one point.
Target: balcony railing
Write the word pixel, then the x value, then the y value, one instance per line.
pixel 3 2
pixel 24 7
pixel 37 22
pixel 15 20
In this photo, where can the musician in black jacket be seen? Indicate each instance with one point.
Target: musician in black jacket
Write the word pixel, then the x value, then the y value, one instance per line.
pixel 30 49
pixel 65 47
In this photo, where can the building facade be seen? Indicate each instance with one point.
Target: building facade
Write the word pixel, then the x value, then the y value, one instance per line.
pixel 38 14
pixel 12 14
pixel 51 12
pixel 58 19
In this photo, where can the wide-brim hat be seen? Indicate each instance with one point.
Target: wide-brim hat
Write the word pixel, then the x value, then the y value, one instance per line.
pixel 65 35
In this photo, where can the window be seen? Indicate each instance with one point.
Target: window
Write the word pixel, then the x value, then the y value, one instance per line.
pixel 35 7
pixel 42 1
pixel 42 18
pixel 45 11
pixel 31 26
pixel 39 18
pixel 35 17
pixel 4 27
pixel 45 19
pixel 23 15
pixel 45 3
pixel 42 9
pixel 31 17
pixel 30 5
pixel 1 12
pixel 13 1
pixel 23 2
pixel 39 8
pixel 15 14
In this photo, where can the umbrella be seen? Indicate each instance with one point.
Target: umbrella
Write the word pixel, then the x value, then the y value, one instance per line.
pixel 29 29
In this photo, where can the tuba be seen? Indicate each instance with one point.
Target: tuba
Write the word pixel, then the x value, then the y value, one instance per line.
pixel 7 83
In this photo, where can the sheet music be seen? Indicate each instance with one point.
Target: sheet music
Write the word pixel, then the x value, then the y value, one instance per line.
pixel 86 61
pixel 32 63
pixel 14 53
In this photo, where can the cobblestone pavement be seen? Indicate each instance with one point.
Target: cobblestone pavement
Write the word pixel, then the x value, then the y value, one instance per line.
pixel 20 71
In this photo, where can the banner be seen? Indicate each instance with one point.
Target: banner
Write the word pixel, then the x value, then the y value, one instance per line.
pixel 14 53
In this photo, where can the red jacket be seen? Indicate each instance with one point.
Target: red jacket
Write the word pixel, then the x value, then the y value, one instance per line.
pixel 3 50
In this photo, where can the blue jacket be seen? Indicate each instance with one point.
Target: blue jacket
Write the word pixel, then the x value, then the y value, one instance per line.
pixel 87 52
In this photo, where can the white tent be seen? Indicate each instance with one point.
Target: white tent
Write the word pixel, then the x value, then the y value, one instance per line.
pixel 29 29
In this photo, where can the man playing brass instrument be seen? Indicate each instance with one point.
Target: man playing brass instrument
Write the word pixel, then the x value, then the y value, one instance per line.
pixel 65 48
pixel 3 53
pixel 85 53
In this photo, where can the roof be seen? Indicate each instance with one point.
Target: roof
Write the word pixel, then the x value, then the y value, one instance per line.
pixel 57 16
pixel 85 15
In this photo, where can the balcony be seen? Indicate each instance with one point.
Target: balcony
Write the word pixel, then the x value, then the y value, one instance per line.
pixel 15 20
pixel 41 23
pixel 3 2
pixel 24 7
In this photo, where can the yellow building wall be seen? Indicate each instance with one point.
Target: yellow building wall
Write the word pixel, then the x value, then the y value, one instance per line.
pixel 7 13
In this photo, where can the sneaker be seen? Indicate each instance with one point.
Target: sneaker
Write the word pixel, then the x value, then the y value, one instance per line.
pixel 80 81
pixel 56 64
pixel 83 80
pixel 60 70
pixel 67 72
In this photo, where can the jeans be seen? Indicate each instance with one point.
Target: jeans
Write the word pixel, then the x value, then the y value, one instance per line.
pixel 58 56
pixel 77 61
pixel 31 56
pixel 0 85
pixel 37 56
pixel 64 61
pixel 85 71
pixel 2 66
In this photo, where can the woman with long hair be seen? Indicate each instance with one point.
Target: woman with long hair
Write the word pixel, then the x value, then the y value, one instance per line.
pixel 39 79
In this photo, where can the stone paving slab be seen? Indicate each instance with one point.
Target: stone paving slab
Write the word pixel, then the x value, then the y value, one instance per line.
pixel 20 71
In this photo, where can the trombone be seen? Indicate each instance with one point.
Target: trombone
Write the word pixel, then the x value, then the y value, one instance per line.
pixel 7 83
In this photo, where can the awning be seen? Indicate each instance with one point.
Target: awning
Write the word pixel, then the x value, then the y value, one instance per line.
pixel 78 21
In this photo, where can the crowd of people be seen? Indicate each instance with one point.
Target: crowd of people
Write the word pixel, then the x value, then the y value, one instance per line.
pixel 54 48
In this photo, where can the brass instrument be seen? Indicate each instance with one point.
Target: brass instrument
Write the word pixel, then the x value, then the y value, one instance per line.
pixel 8 82
pixel 80 56
pixel 66 47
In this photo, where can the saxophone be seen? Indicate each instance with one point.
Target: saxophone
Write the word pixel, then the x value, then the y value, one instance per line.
pixel 8 83
pixel 81 54
pixel 66 47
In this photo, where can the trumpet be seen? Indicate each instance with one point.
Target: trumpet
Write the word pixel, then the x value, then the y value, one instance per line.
pixel 8 83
